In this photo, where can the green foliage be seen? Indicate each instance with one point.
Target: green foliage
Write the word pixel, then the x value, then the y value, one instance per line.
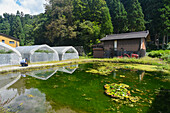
pixel 118 15
pixel 135 16
pixel 164 54
pixel 5 27
pixel 61 24
pixel 44 51
pixel 89 33
pixel 5 52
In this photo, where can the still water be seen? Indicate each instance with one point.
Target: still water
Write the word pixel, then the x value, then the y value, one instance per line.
pixel 76 89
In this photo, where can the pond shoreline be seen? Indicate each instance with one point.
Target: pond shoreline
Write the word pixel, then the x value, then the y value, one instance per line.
pixel 32 66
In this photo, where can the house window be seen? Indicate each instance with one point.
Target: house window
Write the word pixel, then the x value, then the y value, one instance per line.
pixel 3 41
pixel 11 42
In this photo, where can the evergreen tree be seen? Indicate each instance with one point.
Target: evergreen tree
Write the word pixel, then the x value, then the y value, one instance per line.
pixel 18 30
pixel 118 15
pixel 135 16
pixel 94 11
pixel 5 27
pixel 165 20
pixel 106 25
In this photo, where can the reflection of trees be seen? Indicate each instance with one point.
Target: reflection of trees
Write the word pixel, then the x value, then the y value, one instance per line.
pixel 19 85
pixel 161 102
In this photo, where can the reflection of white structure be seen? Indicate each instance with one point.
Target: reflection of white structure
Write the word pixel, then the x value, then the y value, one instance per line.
pixel 66 52
pixel 8 80
pixel 38 53
pixel 43 74
pixel 68 69
pixel 11 57
pixel 5 82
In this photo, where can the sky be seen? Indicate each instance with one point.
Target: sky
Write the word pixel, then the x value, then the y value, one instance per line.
pixel 32 7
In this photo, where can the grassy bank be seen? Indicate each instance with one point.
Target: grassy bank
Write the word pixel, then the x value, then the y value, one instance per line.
pixel 146 63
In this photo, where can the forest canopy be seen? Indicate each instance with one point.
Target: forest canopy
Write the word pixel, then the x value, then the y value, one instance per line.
pixel 84 22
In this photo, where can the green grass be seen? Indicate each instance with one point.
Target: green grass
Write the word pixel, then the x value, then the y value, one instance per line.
pixel 5 52
pixel 44 51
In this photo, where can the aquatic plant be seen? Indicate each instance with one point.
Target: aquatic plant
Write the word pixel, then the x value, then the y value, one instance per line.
pixel 117 90
pixel 120 91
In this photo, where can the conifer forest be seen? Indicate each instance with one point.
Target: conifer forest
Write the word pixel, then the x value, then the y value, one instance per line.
pixel 84 22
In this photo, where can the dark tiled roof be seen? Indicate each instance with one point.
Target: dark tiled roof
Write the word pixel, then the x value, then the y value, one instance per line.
pixel 9 37
pixel 130 35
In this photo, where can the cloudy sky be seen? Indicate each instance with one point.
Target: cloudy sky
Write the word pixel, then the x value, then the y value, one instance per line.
pixel 32 7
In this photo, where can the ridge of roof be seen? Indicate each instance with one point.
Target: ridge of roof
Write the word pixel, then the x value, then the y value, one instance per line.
pixel 9 37
pixel 130 35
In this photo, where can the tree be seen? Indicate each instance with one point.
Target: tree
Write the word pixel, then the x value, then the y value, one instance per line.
pixel 118 15
pixel 165 18
pixel 60 21
pixel 106 23
pixel 135 15
pixel 5 27
pixel 94 11
pixel 89 34
pixel 17 30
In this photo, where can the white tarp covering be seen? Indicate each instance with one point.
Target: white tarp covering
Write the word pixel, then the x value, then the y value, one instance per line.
pixel 66 52
pixel 33 55
pixel 12 58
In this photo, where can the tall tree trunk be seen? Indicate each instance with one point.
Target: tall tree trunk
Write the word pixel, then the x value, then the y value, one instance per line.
pixel 163 42
pixel 167 39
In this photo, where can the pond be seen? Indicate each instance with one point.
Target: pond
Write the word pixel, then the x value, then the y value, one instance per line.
pixel 80 89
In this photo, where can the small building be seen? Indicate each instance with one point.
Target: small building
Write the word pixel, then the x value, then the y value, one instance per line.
pixel 117 44
pixel 38 53
pixel 66 52
pixel 9 55
pixel 9 40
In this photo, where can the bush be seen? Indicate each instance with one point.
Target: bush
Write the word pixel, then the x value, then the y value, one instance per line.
pixel 163 54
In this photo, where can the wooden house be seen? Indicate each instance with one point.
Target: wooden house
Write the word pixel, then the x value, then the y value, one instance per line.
pixel 117 44
pixel 9 40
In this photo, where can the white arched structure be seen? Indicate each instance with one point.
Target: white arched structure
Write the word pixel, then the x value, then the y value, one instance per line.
pixel 66 52
pixel 9 55
pixel 38 53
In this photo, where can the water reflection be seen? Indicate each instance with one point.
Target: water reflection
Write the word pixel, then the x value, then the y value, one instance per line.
pixel 141 76
pixel 8 79
pixel 43 74
pixel 69 69
pixel 15 97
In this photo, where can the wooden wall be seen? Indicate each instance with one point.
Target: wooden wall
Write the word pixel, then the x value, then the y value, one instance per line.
pixel 108 45
pixel 7 41
pixel 129 44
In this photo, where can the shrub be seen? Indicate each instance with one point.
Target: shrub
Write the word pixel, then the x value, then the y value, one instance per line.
pixel 163 54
